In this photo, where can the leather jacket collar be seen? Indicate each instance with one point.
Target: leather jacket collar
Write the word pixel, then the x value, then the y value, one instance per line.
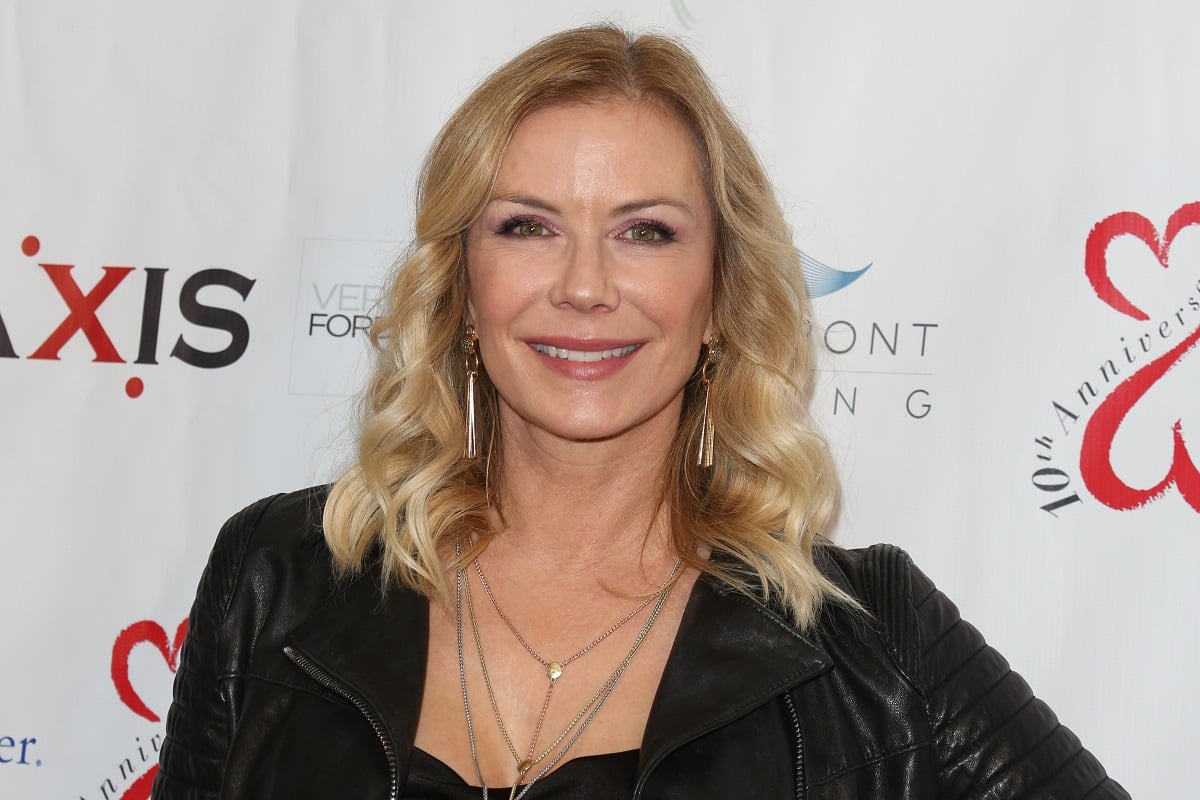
pixel 371 649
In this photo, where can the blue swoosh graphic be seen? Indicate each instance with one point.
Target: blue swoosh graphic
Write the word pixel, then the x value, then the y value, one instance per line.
pixel 681 12
pixel 821 279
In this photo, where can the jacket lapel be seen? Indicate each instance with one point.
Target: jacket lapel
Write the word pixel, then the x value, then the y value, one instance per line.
pixel 376 645
pixel 730 656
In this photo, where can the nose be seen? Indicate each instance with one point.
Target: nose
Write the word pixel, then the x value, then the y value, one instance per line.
pixel 585 281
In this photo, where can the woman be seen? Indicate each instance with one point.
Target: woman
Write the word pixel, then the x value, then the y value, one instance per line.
pixel 620 590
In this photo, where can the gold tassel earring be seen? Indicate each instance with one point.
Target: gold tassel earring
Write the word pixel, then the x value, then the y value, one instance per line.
pixel 712 354
pixel 470 346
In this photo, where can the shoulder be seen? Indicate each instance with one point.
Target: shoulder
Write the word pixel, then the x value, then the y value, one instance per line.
pixel 894 594
pixel 271 534
pixel 280 518
pixel 864 569
pixel 882 577
pixel 984 720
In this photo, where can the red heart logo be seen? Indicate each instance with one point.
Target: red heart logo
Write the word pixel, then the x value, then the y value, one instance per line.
pixel 140 789
pixel 1130 223
pixel 1095 458
pixel 137 633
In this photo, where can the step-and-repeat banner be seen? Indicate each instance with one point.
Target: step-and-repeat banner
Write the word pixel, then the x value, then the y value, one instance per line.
pixel 999 207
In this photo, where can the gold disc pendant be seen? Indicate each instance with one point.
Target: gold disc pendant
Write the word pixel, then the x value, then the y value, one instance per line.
pixel 554 670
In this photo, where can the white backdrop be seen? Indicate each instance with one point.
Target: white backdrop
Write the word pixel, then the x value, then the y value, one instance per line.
pixel 258 158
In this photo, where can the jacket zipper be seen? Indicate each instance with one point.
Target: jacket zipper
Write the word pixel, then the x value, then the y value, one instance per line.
pixel 330 682
pixel 799 767
pixel 795 717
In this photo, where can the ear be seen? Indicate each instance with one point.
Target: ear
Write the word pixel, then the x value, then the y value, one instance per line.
pixel 464 279
pixel 709 325
pixel 470 315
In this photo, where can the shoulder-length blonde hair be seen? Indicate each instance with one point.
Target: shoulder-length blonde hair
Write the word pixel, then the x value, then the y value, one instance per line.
pixel 772 489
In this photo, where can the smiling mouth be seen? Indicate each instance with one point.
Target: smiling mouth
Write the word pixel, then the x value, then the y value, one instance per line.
pixel 583 355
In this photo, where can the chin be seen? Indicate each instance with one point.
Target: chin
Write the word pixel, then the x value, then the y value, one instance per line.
pixel 607 427
pixel 576 420
pixel 589 430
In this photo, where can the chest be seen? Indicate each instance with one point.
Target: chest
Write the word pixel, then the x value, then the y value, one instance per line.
pixel 807 743
pixel 545 699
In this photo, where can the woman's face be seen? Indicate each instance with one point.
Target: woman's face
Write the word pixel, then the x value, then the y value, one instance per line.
pixel 590 273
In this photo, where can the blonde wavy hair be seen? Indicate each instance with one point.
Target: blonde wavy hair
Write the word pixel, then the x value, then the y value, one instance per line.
pixel 772 490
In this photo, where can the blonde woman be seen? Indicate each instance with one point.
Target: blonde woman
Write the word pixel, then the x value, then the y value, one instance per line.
pixel 580 552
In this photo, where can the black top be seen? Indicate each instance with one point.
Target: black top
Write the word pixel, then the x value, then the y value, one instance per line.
pixel 610 776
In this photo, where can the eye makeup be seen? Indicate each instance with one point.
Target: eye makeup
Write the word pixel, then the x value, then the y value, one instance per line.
pixel 641 231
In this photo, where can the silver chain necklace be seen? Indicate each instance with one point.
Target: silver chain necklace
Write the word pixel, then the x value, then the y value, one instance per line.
pixel 589 711
pixel 554 669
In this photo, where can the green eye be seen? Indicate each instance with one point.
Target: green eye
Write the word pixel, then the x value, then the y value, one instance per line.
pixel 642 233
pixel 531 229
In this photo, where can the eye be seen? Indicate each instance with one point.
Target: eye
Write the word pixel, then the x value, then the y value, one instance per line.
pixel 530 229
pixel 648 232
pixel 524 227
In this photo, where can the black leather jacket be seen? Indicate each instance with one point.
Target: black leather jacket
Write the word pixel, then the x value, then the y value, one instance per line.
pixel 292 687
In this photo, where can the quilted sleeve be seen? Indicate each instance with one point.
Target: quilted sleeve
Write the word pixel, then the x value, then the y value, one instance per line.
pixel 993 738
pixel 199 723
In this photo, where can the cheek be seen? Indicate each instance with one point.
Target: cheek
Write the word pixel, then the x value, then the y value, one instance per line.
pixel 684 305
pixel 499 285
pixel 485 277
pixel 486 293
pixel 494 305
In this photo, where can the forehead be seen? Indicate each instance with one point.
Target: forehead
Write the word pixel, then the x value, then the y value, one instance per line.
pixel 618 146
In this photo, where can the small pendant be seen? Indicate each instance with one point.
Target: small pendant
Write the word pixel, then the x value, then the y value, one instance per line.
pixel 523 767
pixel 554 670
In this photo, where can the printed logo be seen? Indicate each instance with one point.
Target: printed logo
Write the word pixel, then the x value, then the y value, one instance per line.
pixel 682 14
pixel 146 632
pixel 821 279
pixel 888 359
pixel 136 668
pixel 1130 376
pixel 82 316
pixel 18 751
pixel 339 289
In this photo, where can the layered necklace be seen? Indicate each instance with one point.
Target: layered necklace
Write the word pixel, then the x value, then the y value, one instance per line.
pixel 553 670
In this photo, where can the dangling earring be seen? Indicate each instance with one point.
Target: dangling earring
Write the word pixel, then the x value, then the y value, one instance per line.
pixel 470 346
pixel 712 354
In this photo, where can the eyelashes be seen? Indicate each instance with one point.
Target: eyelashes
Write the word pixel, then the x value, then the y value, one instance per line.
pixel 523 226
pixel 648 231
pixel 642 231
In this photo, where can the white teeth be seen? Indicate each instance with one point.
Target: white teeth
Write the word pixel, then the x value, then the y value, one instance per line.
pixel 584 355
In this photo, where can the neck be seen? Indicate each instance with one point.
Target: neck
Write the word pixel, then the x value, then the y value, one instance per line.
pixel 584 509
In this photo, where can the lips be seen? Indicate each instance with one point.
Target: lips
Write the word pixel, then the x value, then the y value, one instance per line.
pixel 582 355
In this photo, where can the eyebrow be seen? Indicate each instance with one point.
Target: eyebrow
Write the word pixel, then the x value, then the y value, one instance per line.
pixel 638 205
pixel 624 208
